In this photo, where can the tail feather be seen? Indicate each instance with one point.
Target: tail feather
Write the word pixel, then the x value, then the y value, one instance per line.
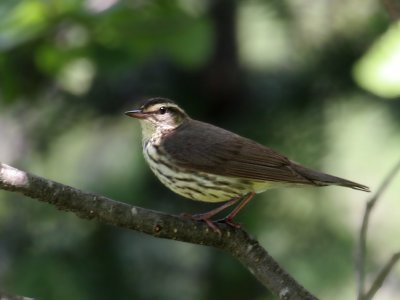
pixel 322 179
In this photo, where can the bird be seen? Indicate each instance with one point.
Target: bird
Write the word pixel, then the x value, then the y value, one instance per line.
pixel 203 162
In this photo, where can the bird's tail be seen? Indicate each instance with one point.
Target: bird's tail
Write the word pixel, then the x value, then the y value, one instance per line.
pixel 322 179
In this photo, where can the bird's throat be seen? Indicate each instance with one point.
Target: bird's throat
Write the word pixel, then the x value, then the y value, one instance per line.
pixel 153 133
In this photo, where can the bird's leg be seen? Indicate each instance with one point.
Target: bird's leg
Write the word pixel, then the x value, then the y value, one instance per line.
pixel 206 216
pixel 229 218
pixel 215 211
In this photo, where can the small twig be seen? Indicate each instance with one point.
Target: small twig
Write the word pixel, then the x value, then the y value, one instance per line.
pixel 380 278
pixel 361 253
pixel 236 242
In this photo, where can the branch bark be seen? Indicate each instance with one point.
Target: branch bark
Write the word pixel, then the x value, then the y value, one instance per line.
pixel 236 242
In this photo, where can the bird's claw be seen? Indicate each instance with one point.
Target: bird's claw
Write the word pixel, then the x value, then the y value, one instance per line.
pixel 202 217
pixel 229 222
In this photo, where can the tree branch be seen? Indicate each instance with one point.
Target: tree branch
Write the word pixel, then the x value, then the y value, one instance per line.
pixel 362 240
pixel 85 205
pixel 380 278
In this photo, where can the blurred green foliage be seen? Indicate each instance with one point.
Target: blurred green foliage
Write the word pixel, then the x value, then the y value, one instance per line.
pixel 276 71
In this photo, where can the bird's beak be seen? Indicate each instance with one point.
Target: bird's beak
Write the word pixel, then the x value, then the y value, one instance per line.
pixel 137 113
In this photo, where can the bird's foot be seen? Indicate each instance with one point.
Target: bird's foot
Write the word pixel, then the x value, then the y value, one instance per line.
pixel 229 221
pixel 206 217
pixel 202 217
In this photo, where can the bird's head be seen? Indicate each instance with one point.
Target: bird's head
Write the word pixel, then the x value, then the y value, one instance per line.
pixel 158 116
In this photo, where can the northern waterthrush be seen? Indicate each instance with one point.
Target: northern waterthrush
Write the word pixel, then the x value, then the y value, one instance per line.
pixel 207 163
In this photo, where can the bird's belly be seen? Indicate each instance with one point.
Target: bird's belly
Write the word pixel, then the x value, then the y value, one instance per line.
pixel 203 187
pixel 196 185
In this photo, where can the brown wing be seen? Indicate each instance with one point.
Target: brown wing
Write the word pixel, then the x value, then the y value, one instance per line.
pixel 211 149
pixel 214 150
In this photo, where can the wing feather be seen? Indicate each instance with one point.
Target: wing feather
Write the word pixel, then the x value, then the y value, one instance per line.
pixel 211 149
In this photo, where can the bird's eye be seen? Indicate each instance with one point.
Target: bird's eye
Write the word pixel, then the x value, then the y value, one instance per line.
pixel 162 110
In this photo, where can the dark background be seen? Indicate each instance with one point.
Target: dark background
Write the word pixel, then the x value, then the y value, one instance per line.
pixel 280 72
